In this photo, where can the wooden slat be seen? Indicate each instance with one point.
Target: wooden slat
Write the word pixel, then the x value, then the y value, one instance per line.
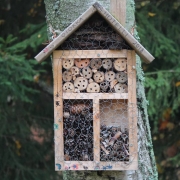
pixel 65 34
pixel 140 50
pixel 58 114
pixel 118 10
pixel 92 165
pixel 132 107
pixel 95 96
pixel 96 130
pixel 90 54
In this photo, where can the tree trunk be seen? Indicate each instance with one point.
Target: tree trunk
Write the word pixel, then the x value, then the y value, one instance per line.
pixel 59 15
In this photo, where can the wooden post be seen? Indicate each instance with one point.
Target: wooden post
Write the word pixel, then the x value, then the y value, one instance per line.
pixel 118 10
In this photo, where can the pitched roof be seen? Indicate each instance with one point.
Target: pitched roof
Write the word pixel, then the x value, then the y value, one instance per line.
pixel 96 7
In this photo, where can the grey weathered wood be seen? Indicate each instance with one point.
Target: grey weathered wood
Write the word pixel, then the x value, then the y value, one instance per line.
pixel 118 10
pixel 140 50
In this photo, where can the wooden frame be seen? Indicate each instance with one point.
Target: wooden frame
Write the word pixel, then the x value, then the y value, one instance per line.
pixel 130 97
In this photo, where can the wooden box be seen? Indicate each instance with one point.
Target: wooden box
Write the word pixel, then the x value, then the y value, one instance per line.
pixel 95 123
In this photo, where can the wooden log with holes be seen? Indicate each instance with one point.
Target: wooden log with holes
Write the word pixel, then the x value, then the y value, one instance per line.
pixel 68 87
pixel 93 87
pixel 120 88
pixel 67 76
pixel 80 83
pixel 81 63
pixel 68 63
pixel 109 76
pixel 104 86
pixel 95 63
pixel 107 64
pixel 87 72
pixel 98 76
pixel 121 77
pixel 120 64
pixel 75 71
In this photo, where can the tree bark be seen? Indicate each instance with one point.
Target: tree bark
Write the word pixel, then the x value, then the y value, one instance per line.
pixel 59 15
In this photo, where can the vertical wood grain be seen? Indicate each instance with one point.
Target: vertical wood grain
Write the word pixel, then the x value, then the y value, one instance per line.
pixel 58 113
pixel 96 129
pixel 118 10
pixel 132 106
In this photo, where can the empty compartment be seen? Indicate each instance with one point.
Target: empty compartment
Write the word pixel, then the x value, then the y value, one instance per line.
pixel 114 132
pixel 78 130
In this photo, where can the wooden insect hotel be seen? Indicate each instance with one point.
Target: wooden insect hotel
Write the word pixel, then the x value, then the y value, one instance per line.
pixel 95 110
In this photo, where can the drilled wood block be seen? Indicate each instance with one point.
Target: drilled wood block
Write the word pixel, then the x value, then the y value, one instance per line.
pixel 80 83
pixel 68 63
pixel 67 76
pixel 121 77
pixel 120 88
pixel 68 87
pixel 109 76
pixel 96 63
pixel 75 71
pixel 81 63
pixel 87 72
pixel 93 87
pixel 107 64
pixel 120 64
pixel 99 76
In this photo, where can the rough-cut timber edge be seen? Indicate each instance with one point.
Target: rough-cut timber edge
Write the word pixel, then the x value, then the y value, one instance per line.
pixel 140 50
pixel 59 18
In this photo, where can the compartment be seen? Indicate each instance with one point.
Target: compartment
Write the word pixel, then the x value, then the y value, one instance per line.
pixel 78 130
pixel 94 75
pixel 114 131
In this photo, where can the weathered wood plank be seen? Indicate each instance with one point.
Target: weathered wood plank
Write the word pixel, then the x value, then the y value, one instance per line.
pixel 90 54
pixel 95 95
pixel 92 165
pixel 132 107
pixel 65 34
pixel 118 10
pixel 58 114
pixel 140 50
pixel 96 130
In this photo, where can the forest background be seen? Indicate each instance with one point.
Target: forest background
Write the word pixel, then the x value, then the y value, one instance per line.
pixel 26 99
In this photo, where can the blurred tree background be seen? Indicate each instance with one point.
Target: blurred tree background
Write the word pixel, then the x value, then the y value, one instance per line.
pixel 26 101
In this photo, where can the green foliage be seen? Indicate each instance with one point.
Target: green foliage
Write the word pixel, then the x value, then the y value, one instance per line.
pixel 26 111
pixel 15 70
pixel 158 27
pixel 160 35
